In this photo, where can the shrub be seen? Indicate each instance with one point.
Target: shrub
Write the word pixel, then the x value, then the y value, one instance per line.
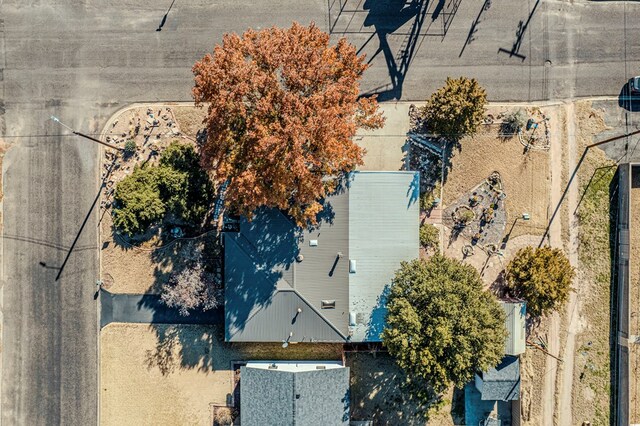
pixel 456 109
pixel 429 236
pixel 177 185
pixel 512 123
pixel 138 203
pixel 465 216
pixel 540 276
pixel 130 148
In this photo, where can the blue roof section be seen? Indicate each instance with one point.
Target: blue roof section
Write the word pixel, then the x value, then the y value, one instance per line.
pixel 384 218
pixel 503 382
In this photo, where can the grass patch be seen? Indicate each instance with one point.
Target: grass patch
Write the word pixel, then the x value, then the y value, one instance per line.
pixel 593 358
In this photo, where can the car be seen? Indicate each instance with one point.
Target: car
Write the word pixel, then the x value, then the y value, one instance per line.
pixel 634 86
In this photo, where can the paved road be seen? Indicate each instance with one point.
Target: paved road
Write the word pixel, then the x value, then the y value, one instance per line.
pixel 81 60
pixel 149 309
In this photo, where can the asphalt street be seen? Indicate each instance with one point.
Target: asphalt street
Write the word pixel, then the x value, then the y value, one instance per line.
pixel 82 60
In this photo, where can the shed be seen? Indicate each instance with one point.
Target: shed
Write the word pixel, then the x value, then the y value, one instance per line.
pixel 516 327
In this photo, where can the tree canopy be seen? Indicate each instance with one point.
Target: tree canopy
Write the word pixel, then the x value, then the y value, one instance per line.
pixel 441 325
pixel 177 185
pixel 456 109
pixel 542 277
pixel 283 107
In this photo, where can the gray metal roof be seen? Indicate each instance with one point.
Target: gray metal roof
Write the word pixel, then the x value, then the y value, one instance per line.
pixel 383 231
pixel 516 326
pixel 503 382
pixel 272 397
pixel 265 285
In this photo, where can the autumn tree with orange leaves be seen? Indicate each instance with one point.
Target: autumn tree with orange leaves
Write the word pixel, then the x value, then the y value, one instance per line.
pixel 283 107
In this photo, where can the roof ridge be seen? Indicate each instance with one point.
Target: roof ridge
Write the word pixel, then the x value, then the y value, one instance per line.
pixel 314 309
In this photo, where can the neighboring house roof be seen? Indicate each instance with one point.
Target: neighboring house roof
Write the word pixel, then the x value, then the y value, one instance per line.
pixel 372 224
pixel 503 382
pixel 516 326
pixel 383 231
pixel 294 394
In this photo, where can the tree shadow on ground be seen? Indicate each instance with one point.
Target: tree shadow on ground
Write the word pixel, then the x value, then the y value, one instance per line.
pixel 257 258
pixel 381 391
pixel 186 347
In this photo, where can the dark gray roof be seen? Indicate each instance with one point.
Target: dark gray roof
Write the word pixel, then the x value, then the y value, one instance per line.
pixel 265 285
pixel 503 382
pixel 272 397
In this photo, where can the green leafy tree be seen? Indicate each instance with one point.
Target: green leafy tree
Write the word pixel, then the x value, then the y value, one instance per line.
pixel 542 277
pixel 429 236
pixel 138 201
pixel 441 326
pixel 178 185
pixel 456 109
pixel 191 197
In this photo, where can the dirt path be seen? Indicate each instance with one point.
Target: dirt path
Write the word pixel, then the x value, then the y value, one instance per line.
pixel 573 315
pixel 555 240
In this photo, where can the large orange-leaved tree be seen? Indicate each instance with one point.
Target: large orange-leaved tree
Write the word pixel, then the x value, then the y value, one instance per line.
pixel 283 107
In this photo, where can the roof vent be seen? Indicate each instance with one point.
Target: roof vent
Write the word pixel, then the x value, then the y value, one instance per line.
pixel 328 304
pixel 352 319
pixel 299 258
pixel 313 243
pixel 321 367
pixel 272 366
pixel 352 266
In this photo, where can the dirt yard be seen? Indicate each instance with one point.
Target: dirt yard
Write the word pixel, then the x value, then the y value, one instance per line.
pixel 143 267
pixel 377 394
pixel 591 396
pixel 526 177
pixel 175 374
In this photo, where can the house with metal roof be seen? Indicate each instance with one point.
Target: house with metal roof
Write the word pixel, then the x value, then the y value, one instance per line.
pixel 294 393
pixel 326 283
pixel 515 323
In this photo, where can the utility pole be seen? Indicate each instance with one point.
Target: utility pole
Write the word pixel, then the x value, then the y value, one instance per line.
pixel 575 172
pixel 86 136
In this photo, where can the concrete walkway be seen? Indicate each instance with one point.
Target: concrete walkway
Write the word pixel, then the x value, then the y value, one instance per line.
pixel 148 309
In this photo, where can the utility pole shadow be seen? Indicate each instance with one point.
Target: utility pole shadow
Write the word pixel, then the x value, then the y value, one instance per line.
pixel 103 184
pixel 164 18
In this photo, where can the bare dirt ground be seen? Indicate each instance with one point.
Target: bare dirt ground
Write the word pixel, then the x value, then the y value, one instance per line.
pixel 526 177
pixel 532 365
pixel 146 266
pixel 587 319
pixel 174 374
pixel 376 394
